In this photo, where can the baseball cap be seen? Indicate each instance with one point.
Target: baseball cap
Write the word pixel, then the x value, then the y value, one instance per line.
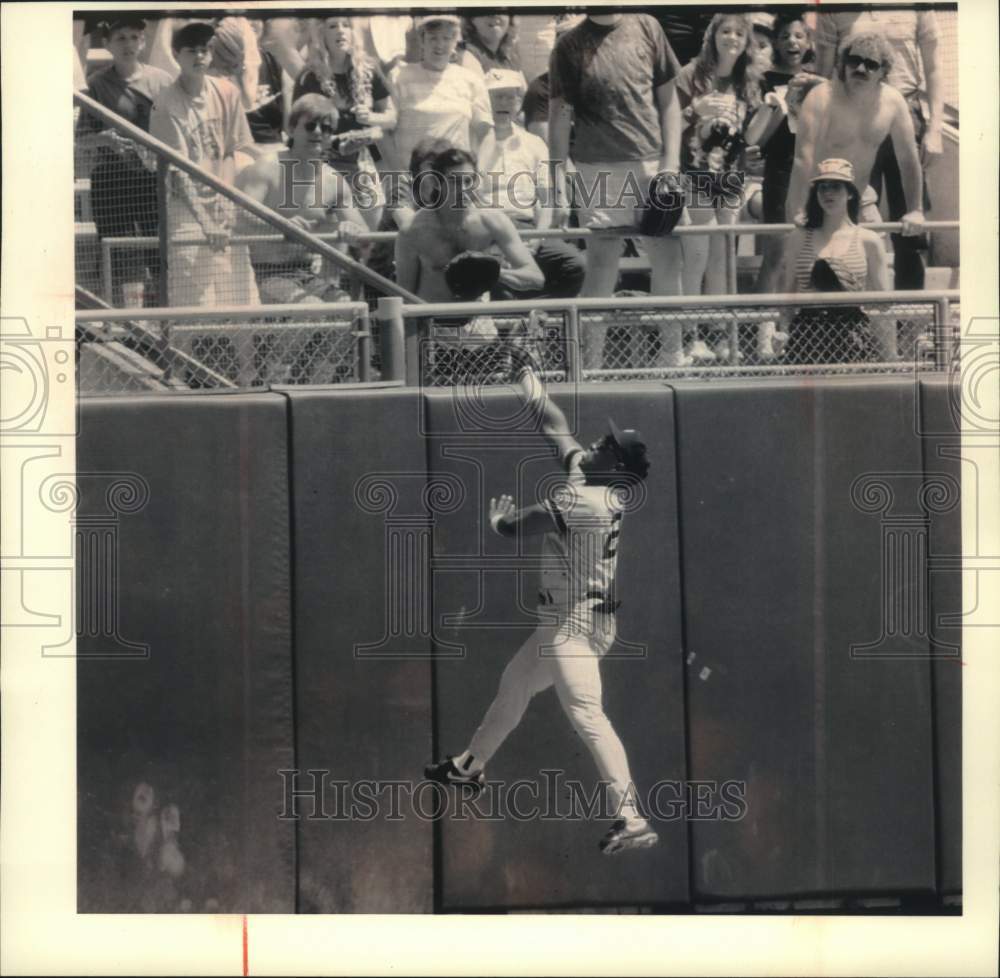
pixel 835 170
pixel 192 35
pixel 630 447
pixel 422 22
pixel 497 78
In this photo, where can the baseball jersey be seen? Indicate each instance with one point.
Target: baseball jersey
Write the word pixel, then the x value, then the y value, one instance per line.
pixel 580 554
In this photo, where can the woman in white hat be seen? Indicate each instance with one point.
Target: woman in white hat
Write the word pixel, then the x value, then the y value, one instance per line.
pixel 437 98
pixel 832 253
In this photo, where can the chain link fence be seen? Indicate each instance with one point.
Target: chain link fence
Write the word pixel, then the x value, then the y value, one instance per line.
pixel 280 345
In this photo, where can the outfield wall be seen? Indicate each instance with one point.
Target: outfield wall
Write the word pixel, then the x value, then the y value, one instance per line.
pixel 319 591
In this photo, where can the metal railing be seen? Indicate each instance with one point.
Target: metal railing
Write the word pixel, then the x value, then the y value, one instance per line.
pixel 441 344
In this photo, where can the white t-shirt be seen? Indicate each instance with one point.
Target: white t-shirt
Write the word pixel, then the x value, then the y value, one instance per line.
pixel 516 172
pixel 441 104
pixel 580 555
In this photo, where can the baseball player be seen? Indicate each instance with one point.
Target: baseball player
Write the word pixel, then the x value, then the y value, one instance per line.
pixel 581 524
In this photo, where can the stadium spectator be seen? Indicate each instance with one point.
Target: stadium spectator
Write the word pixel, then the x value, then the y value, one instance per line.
pixel 685 29
pixel 203 119
pixel 266 116
pixel 492 40
pixel 450 221
pixel 611 76
pixel 718 93
pixel 235 57
pixel 772 130
pixel 916 74
pixel 515 168
pixel 122 189
pixel 436 98
pixel 536 99
pixel 762 40
pixel 300 185
pixel 338 68
pixel 831 253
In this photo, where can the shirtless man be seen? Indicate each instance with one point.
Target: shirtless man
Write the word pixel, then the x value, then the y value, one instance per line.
pixel 848 118
pixel 450 222
pixel 300 186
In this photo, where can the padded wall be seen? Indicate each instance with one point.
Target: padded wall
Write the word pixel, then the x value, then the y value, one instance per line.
pixel 942 442
pixel 553 861
pixel 783 572
pixel 205 719
pixel 362 714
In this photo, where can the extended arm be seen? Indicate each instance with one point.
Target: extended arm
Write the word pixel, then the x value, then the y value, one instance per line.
pixel 507 520
pixel 912 177
pixel 524 273
pixel 935 95
pixel 669 109
pixel 554 425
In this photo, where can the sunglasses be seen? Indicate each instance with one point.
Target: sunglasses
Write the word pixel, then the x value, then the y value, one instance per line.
pixel 856 61
pixel 324 127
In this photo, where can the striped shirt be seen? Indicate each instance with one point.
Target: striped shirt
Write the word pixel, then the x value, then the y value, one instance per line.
pixel 853 260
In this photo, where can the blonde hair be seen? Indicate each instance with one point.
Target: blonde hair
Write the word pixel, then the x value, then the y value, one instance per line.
pixel 317 53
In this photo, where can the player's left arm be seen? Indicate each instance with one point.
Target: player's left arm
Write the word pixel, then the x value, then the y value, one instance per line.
pixel 507 520
pixel 904 143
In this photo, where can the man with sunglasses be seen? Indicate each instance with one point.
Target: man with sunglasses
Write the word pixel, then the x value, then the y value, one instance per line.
pixel 300 185
pixel 848 118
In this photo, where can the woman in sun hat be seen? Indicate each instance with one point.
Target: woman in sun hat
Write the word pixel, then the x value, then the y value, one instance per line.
pixel 832 253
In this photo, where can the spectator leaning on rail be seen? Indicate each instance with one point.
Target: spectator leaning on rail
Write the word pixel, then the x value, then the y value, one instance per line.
pixel 832 254
pixel 611 76
pixel 338 68
pixel 451 221
pixel 437 98
pixel 299 184
pixel 916 75
pixel 515 169
pixel 122 189
pixel 202 118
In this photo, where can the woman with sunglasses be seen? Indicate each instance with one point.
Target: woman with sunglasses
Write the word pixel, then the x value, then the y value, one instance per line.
pixel 337 68
pixel 833 254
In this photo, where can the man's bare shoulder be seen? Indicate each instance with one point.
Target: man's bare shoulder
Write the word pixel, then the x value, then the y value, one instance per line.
pixel 888 95
pixel 263 170
pixel 421 227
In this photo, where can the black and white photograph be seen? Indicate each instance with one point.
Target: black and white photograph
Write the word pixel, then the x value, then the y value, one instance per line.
pixel 507 464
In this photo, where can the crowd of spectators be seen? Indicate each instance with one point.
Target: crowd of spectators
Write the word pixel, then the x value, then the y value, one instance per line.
pixel 691 102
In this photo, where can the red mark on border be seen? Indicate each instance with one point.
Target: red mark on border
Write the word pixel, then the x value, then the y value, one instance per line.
pixel 246 956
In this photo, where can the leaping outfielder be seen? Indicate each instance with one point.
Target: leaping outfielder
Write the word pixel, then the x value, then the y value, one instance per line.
pixel 581 524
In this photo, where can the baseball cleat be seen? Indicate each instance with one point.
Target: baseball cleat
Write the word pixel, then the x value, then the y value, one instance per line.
pixel 445 772
pixel 620 837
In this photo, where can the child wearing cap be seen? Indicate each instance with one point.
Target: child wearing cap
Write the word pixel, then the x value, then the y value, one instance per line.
pixel 122 189
pixel 515 169
pixel 203 118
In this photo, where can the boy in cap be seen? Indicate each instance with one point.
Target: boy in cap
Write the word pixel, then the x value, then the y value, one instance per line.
pixel 122 190
pixel 202 118
pixel 515 169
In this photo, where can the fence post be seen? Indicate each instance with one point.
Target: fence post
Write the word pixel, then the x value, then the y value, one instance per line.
pixel 574 373
pixel 388 313
pixel 162 169
pixel 364 348
pixel 731 276
pixel 107 278
pixel 942 335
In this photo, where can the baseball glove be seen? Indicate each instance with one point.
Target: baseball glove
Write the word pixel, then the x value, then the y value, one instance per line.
pixel 471 273
pixel 664 208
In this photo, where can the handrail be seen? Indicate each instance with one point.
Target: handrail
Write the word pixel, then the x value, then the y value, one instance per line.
pixel 288 228
pixel 319 309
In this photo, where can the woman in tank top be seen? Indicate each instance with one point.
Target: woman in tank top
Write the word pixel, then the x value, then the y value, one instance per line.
pixel 833 254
